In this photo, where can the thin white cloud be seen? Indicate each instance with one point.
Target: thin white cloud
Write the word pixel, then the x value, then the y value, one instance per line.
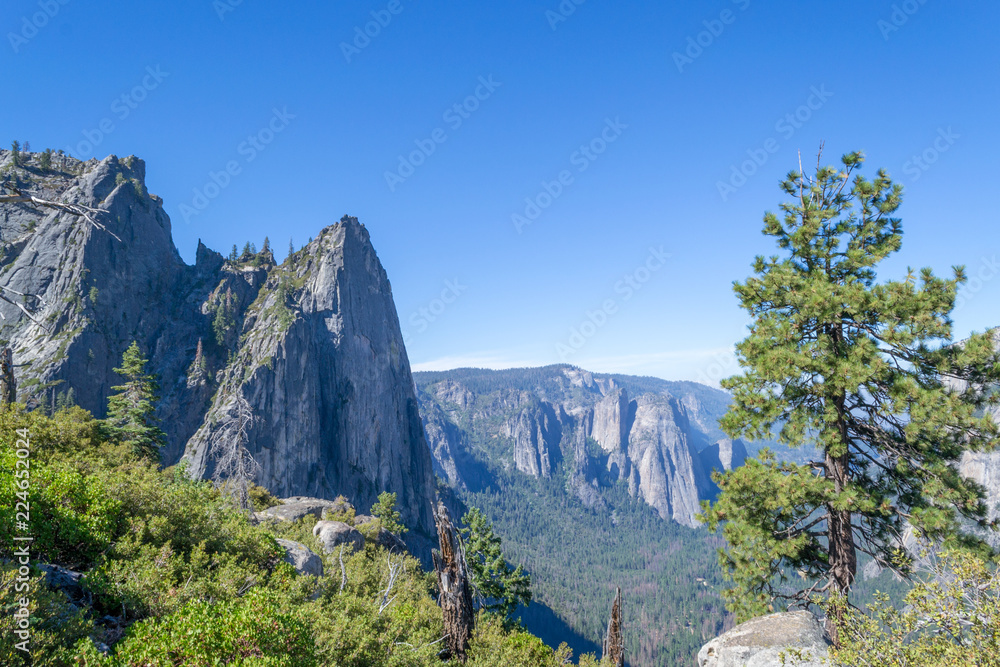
pixel 496 361
pixel 705 365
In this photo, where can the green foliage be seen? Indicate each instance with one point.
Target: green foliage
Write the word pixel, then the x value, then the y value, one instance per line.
pixel 951 619
pixel 389 517
pixel 366 624
pixel 93 294
pixel 15 150
pixel 285 314
pixel 73 517
pixel 258 630
pixel 262 498
pixel 45 160
pixel 224 319
pixel 233 254
pixel 856 368
pixel 131 412
pixel 55 624
pixel 494 645
pixel 498 588
pixel 184 541
pixel 120 179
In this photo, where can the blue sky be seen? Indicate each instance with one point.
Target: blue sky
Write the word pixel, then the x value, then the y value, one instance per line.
pixel 617 122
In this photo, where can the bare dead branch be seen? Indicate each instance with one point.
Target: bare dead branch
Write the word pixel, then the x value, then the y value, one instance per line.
pixel 86 212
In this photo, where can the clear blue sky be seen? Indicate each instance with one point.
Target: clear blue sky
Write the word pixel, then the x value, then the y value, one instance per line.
pixel 673 127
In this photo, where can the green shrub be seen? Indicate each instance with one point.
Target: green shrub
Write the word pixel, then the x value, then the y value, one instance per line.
pixel 492 645
pixel 184 541
pixel 362 626
pixel 262 498
pixel 257 630
pixel 55 625
pixel 951 619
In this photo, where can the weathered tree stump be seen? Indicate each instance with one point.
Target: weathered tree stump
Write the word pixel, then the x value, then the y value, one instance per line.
pixel 614 640
pixel 455 595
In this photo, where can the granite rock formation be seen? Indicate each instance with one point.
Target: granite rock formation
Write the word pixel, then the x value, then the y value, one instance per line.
pixel 311 347
pixel 788 638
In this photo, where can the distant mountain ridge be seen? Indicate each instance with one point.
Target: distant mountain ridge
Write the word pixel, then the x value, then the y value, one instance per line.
pixel 659 437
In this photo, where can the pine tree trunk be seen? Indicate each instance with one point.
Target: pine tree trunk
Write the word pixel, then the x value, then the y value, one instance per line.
pixel 840 532
pixel 8 385
pixel 614 640
pixel 453 581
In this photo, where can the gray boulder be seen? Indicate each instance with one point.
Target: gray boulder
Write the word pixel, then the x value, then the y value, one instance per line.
pixel 776 640
pixel 297 507
pixel 302 558
pixel 383 537
pixel 331 534
pixel 62 579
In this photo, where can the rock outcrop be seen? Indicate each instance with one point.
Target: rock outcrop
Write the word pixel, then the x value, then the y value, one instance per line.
pixel 302 558
pixel 293 509
pixel 332 534
pixel 788 638
pixel 724 455
pixel 309 352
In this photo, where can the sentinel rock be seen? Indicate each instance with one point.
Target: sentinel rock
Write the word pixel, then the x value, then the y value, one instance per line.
pixel 724 455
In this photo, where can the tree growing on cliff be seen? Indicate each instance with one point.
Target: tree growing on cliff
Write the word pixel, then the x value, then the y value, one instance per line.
pixel 864 371
pixel 131 411
pixel 385 511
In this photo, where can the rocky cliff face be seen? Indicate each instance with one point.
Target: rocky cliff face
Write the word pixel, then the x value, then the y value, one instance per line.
pixel 321 359
pixel 602 431
pixel 313 346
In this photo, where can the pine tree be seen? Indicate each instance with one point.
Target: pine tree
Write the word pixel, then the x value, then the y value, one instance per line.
pixel 291 247
pixel 385 511
pixel 247 253
pixel 45 160
pixel 498 588
pixel 861 371
pixel 233 254
pixel 131 412
pixel 15 153
pixel 224 320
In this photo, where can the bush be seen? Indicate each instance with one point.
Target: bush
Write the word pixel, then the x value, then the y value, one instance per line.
pixel 73 517
pixel 262 498
pixel 951 619
pixel 257 630
pixel 55 625
pixel 363 625
pixel 493 645
pixel 184 541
